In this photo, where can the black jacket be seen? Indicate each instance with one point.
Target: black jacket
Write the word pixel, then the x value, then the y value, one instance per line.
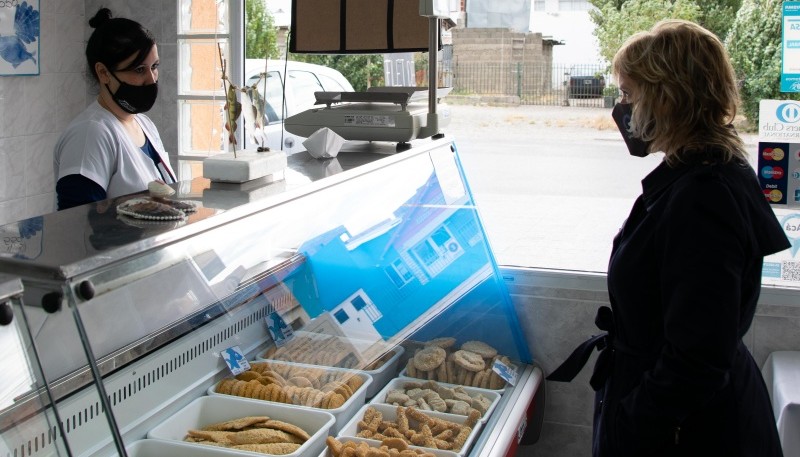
pixel 684 279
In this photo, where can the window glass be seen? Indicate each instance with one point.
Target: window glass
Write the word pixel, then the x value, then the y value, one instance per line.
pixel 203 32
pixel 330 84
pixel 272 89
pixel 574 5
pixel 303 84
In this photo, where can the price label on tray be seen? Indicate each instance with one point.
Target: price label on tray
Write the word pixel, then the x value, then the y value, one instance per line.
pixel 507 372
pixel 235 360
pixel 278 330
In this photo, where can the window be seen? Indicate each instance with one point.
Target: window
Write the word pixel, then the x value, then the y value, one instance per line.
pixel 341 316
pixel 574 5
pixel 330 84
pixel 399 273
pixel 203 30
pixel 303 84
pixel 437 251
pixel 358 303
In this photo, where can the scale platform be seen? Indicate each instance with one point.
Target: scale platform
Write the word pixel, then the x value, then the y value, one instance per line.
pixel 395 114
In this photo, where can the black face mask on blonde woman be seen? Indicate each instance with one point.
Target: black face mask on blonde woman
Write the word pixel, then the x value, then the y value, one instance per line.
pixel 622 117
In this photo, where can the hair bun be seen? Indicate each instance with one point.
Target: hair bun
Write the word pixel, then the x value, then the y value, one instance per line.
pixel 103 15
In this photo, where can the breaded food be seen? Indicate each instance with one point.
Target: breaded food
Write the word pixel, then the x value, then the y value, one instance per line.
pixel 480 348
pixel 429 358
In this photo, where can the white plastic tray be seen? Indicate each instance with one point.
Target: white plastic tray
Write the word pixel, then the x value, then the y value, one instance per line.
pixel 375 443
pixel 162 448
pixel 341 414
pixel 398 383
pixel 389 413
pixel 209 410
pixel 380 376
pixel 385 373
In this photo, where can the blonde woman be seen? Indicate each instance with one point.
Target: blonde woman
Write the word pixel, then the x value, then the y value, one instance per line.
pixel 674 377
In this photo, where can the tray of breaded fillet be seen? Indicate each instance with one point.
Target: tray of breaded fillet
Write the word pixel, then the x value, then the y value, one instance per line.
pixel 344 446
pixel 237 426
pixel 337 352
pixel 337 391
pixel 444 360
pixel 439 396
pixel 425 429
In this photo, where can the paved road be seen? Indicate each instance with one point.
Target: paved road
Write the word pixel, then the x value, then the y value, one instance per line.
pixel 553 184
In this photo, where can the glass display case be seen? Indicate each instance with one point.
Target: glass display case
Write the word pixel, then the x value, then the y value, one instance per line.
pixel 26 410
pixel 314 290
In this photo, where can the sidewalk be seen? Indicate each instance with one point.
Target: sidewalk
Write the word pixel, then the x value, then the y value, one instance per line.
pixel 488 113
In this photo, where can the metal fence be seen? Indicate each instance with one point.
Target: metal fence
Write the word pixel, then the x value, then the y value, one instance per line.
pixel 531 83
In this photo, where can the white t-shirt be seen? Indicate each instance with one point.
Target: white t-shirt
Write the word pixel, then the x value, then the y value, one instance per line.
pixel 97 146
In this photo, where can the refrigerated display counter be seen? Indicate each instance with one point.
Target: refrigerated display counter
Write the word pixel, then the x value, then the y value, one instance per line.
pixel 309 291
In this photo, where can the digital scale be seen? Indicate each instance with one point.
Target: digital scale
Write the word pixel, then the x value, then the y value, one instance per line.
pixel 396 114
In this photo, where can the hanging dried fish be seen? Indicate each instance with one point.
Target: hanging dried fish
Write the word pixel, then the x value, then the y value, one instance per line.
pixel 232 111
pixel 253 113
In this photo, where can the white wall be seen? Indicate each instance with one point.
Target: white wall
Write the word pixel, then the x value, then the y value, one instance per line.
pixel 574 28
pixel 34 110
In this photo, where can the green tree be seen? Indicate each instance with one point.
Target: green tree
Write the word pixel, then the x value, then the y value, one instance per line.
pixel 718 15
pixel 362 70
pixel 615 25
pixel 754 44
pixel 260 34
pixel 616 20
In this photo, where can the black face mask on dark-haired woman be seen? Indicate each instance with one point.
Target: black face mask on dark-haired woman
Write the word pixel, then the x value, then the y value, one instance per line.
pixel 622 117
pixel 134 99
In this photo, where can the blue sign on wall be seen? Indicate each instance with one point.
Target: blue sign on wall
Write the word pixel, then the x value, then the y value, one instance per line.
pixel 790 68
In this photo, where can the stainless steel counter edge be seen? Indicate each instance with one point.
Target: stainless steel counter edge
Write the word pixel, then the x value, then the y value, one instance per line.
pixel 501 431
pixel 10 287
pixel 68 246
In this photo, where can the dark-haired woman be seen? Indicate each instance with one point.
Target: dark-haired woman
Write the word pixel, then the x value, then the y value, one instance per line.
pixel 111 148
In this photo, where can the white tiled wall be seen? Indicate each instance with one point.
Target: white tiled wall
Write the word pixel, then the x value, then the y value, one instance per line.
pixel 34 110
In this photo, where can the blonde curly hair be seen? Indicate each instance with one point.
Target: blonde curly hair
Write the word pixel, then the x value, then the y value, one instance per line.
pixel 686 92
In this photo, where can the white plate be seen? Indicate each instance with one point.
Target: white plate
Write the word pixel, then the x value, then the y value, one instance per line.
pixel 127 209
pixel 389 413
pixel 209 410
pixel 398 383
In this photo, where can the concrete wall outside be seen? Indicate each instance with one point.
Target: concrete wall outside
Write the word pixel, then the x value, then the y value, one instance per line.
pixel 557 310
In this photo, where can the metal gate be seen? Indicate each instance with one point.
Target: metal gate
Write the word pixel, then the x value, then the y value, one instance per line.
pixel 534 83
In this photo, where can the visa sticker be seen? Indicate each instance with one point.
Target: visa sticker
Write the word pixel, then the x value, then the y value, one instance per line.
pixel 235 360
pixel 507 372
pixel 278 330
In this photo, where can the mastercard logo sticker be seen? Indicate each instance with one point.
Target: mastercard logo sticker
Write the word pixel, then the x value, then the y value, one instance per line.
pixel 776 154
pixel 773 195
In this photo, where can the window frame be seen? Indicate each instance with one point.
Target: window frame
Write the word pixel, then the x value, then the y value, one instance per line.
pixel 232 41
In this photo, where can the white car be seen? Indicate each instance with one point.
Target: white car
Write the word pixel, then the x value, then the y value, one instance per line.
pixel 296 96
